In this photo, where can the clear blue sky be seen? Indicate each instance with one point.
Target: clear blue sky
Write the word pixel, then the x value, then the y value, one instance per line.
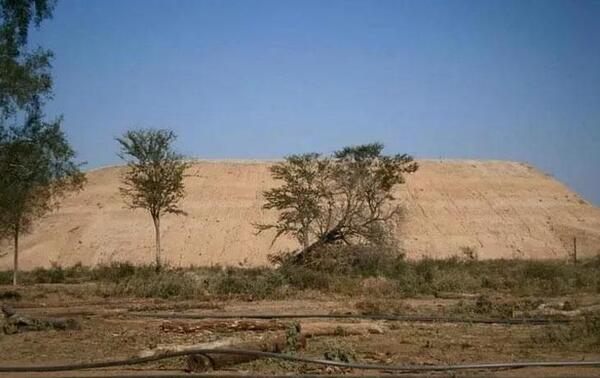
pixel 514 80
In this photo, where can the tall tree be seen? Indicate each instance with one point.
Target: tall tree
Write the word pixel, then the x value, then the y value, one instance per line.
pixel 36 161
pixel 36 170
pixel 154 176
pixel 343 198
pixel 25 80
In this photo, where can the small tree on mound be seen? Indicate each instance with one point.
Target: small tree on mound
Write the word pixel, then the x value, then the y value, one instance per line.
pixel 344 198
pixel 154 176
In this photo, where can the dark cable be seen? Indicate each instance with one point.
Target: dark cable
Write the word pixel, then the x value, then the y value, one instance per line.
pixel 426 319
pixel 285 357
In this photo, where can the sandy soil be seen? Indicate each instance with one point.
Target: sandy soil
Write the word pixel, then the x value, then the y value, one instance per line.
pixel 109 329
pixel 502 209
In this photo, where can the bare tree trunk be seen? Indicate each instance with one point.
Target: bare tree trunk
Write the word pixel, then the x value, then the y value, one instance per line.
pixel 157 235
pixel 16 256
pixel 330 237
pixel 305 242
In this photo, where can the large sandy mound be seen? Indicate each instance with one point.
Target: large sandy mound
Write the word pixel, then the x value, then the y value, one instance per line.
pixel 502 209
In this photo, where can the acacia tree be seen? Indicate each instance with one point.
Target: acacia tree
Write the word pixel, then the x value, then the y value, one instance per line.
pixel 154 176
pixel 36 171
pixel 343 198
pixel 299 198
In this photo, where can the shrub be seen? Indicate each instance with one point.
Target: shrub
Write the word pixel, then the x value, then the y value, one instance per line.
pixel 367 260
pixel 371 306
pixel 426 270
pixel 55 274
pixel 469 253
pixel 542 270
pixel 10 295
pixel 115 271
pixel 351 271
pixel 585 331
pixel 302 278
pixel 5 277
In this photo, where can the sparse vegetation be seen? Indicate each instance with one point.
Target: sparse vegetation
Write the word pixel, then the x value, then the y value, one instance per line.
pixel 469 253
pixel 396 278
pixel 377 306
pixel 345 291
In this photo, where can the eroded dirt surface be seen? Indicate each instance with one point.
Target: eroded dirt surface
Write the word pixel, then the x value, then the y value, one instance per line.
pixel 499 209
pixel 113 328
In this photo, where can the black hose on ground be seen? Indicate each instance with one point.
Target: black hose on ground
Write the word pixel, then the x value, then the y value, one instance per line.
pixel 285 357
pixel 247 375
pixel 405 318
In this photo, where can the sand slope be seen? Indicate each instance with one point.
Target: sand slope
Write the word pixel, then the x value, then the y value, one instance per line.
pixel 502 209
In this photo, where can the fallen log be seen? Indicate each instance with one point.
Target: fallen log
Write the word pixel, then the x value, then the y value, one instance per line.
pixel 274 343
pixel 278 343
pixel 168 348
pixel 453 295
pixel 174 306
pixel 224 326
pixel 293 339
pixel 309 329
pixel 17 323
pixel 315 329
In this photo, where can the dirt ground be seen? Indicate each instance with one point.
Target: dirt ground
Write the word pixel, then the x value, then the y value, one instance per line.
pixel 125 327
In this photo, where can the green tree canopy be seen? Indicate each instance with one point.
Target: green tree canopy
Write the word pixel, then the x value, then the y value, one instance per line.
pixel 154 177
pixel 25 80
pixel 343 198
pixel 36 170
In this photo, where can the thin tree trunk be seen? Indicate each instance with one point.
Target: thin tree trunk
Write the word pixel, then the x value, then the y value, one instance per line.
pixel 157 235
pixel 16 256
pixel 305 242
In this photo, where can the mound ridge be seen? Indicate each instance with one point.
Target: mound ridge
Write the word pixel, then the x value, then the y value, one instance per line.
pixel 501 209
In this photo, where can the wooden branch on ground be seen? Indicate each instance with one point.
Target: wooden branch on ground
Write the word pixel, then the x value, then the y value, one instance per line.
pixel 454 295
pixel 315 329
pixel 224 326
pixel 275 343
pixel 294 338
